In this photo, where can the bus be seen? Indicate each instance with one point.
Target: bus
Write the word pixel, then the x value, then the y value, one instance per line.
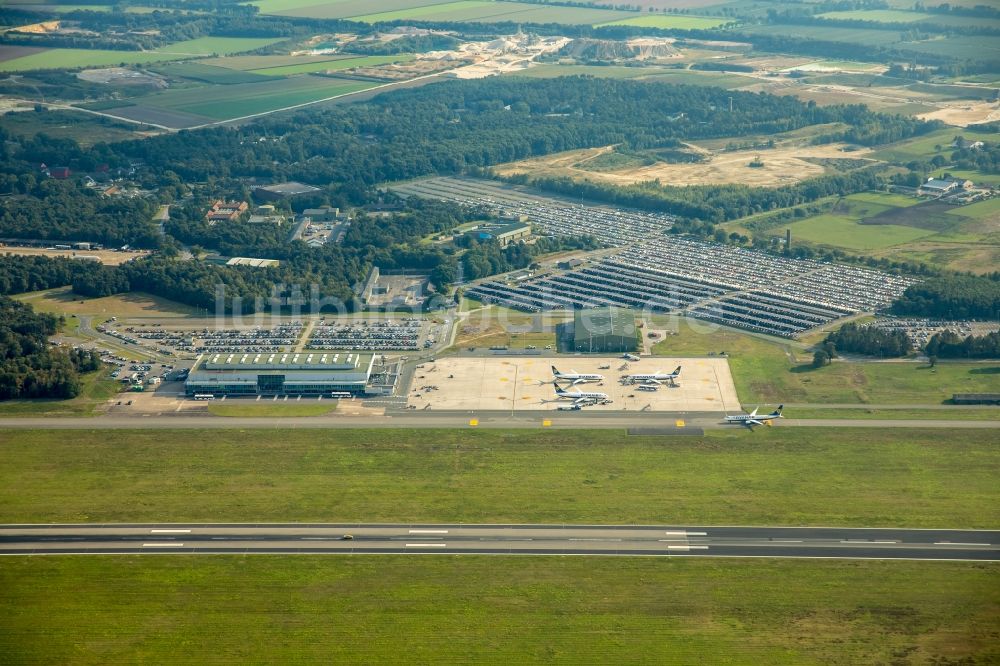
pixel 204 396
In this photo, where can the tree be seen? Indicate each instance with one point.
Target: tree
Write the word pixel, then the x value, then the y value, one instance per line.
pixel 932 359
pixel 820 358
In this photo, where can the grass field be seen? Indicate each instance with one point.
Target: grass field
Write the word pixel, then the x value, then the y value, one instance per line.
pixel 333 65
pixel 978 211
pixel 668 21
pixel 97 388
pixel 848 233
pixel 943 413
pixel 902 478
pixel 135 304
pixel 879 15
pixel 271 409
pixel 252 62
pixel 924 146
pixel 769 372
pixel 224 102
pixel 433 609
pixel 77 58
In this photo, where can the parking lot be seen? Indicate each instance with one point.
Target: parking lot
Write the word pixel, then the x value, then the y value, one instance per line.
pixel 525 383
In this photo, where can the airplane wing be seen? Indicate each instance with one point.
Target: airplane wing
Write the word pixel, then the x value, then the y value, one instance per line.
pixel 652 382
pixel 577 381
pixel 752 422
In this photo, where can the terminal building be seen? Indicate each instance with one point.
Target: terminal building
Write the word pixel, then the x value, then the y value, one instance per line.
pixel 605 329
pixel 280 373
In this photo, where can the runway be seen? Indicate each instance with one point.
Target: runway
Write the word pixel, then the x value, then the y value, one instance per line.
pixel 591 540
pixel 441 419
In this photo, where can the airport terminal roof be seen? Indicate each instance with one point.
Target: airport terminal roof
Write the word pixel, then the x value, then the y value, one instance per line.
pixel 607 320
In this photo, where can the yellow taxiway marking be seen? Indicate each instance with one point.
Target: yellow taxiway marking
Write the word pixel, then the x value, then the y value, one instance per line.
pixel 546 423
pixel 679 423
pixel 473 422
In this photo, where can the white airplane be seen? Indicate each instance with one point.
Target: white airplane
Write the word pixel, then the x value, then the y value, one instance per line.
pixel 751 419
pixel 575 377
pixel 630 357
pixel 655 377
pixel 582 397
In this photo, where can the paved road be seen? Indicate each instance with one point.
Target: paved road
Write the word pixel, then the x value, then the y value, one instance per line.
pixel 821 542
pixel 647 421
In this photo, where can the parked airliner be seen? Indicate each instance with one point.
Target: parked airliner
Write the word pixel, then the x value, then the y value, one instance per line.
pixel 575 377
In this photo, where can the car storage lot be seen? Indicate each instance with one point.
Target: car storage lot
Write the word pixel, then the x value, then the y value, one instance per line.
pixel 524 383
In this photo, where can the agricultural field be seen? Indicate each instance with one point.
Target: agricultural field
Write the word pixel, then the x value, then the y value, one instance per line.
pixel 879 15
pixel 333 65
pixel 877 477
pixel 429 10
pixel 554 610
pixel 199 71
pixel 651 73
pixel 186 107
pixel 782 166
pixel 78 58
pixel 252 62
pixel 673 21
pixel 861 36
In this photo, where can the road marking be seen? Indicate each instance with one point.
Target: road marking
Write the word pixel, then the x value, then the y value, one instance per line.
pixel 959 543
pixel 473 422
pixel 885 541
pixel 675 533
pixel 426 545
pixel 679 423
pixel 787 540
pixel 593 539
pixel 546 423
pixel 428 531
pixel 685 548
pixel 169 531
pixel 162 545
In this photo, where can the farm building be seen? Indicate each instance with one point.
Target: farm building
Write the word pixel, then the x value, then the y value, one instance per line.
pixel 937 186
pixel 603 330
pixel 226 211
pixel 278 373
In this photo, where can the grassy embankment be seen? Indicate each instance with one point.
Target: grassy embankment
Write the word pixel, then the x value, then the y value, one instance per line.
pixel 783 476
pixel 306 609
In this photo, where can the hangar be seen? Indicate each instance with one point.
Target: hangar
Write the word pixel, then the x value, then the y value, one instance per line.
pixel 604 330
pixel 279 373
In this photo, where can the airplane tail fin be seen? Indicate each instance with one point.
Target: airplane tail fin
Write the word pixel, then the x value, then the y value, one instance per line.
pixel 678 370
pixel 554 370
pixel 778 410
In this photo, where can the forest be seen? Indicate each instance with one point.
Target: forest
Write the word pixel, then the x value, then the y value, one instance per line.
pixel 954 297
pixel 870 340
pixel 948 344
pixel 29 366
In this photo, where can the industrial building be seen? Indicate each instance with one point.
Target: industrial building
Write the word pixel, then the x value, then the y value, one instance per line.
pixel 280 373
pixel 603 330
pixel 505 234
pixel 283 191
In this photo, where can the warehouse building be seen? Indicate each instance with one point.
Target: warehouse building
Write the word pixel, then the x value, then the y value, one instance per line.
pixel 505 234
pixel 280 373
pixel 605 329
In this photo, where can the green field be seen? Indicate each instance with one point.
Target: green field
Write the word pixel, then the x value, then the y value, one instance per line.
pixel 262 409
pixel 333 65
pixel 224 102
pixel 96 390
pixel 885 199
pixel 207 73
pixel 878 477
pixel 491 610
pixel 879 15
pixel 980 210
pixel 768 372
pixel 861 36
pixel 251 62
pixel 84 128
pixel 77 58
pixel 848 233
pixel 429 10
pixel 658 74
pixel 673 21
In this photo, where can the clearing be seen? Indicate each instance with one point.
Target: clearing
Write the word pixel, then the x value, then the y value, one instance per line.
pixel 782 166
